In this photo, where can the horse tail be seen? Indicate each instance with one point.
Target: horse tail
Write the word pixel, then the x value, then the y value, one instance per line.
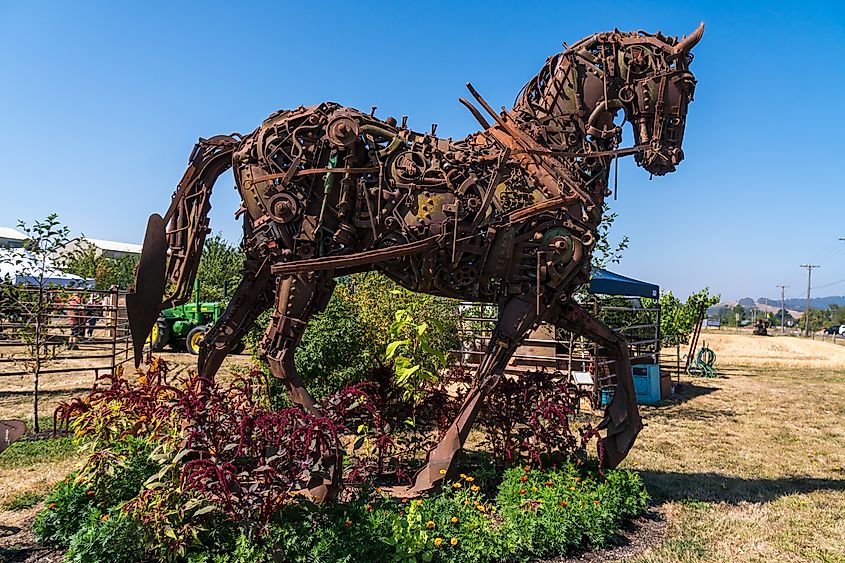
pixel 161 283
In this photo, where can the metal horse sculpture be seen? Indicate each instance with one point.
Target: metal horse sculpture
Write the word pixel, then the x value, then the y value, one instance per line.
pixel 507 215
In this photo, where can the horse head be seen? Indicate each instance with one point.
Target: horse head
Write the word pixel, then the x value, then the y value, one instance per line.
pixel 651 82
pixel 574 100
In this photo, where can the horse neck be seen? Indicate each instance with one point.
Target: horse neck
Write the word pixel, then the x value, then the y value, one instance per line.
pixel 554 109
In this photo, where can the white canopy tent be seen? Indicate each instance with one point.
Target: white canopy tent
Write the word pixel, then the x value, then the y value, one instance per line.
pixel 10 271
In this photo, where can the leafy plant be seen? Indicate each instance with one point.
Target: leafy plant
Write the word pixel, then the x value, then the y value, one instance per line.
pixel 415 360
pixel 113 536
pixel 67 507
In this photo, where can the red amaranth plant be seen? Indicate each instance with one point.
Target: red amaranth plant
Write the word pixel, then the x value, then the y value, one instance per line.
pixel 528 419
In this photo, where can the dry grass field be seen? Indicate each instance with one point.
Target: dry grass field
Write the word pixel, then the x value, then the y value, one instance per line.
pixel 746 467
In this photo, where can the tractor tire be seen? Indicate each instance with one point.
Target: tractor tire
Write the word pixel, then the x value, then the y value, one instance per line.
pixel 159 335
pixel 194 338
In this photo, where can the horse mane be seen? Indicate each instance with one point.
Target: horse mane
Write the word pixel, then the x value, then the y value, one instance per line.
pixel 535 89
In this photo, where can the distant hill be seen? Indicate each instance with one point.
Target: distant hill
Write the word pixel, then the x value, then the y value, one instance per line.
pixel 794 306
pixel 800 304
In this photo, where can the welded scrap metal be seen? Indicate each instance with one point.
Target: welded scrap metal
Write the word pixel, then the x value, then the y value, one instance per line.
pixel 509 215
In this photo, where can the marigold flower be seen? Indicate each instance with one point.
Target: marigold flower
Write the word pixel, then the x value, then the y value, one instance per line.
pixel 52 505
pixel 369 508
pixel 454 541
pixel 454 520
pixel 443 472
pixel 430 524
pixel 437 542
pixel 571 488
pixel 378 489
pixel 348 523
pixel 404 500
pixel 457 485
pixel 480 507
pixel 104 517
pixel 563 503
pixel 527 468
pixel 466 501
pixel 577 479
pixel 470 478
pixel 596 502
pixel 463 475
pixel 523 478
pixel 522 491
pixel 90 493
pixel 475 488
pixel 549 484
pixel 417 502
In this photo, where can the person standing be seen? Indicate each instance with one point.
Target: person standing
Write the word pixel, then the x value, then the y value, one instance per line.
pixel 75 312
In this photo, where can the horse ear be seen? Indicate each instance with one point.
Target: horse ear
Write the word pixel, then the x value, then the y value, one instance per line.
pixel 687 43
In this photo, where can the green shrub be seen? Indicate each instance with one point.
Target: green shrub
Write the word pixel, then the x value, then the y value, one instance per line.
pixel 553 512
pixel 68 506
pixel 113 537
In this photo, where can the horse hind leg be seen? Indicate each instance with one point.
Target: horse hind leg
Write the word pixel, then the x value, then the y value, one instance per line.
pixel 298 297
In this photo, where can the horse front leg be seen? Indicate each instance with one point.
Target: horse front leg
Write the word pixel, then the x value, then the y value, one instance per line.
pixel 298 297
pixel 622 417
pixel 516 318
pixel 250 299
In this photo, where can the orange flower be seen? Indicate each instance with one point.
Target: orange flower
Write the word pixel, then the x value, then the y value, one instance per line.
pixel 577 479
pixel 378 489
pixel 454 541
pixel 90 493
pixel 404 500
pixel 475 488
pixel 523 478
pixel 549 484
pixel 470 479
pixel 522 491
pixel 527 468
pixel 369 508
pixel 457 485
pixel 563 503
pixel 52 505
pixel 430 524
pixel 480 507
pixel 454 520
pixel 596 502
pixel 348 523
pixel 437 542
pixel 104 517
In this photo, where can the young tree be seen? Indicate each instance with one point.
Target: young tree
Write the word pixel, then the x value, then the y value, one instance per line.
pixel 87 261
pixel 220 268
pixel 38 262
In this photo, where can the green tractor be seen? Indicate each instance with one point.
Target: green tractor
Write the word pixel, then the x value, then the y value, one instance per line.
pixel 184 327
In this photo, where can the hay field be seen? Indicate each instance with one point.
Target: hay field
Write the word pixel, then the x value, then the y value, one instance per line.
pixel 744 349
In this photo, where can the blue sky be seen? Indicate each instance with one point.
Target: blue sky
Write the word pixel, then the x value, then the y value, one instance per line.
pixel 102 102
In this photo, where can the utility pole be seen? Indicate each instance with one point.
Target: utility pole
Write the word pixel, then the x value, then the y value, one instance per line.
pixel 782 308
pixel 807 311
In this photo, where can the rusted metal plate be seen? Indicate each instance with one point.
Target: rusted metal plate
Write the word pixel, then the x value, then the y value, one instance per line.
pixel 143 304
pixel 10 431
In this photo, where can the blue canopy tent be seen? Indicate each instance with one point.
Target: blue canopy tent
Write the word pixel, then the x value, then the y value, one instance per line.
pixel 605 282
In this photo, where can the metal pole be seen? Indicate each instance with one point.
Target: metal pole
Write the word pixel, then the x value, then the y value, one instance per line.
pixel 782 308
pixel 807 311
